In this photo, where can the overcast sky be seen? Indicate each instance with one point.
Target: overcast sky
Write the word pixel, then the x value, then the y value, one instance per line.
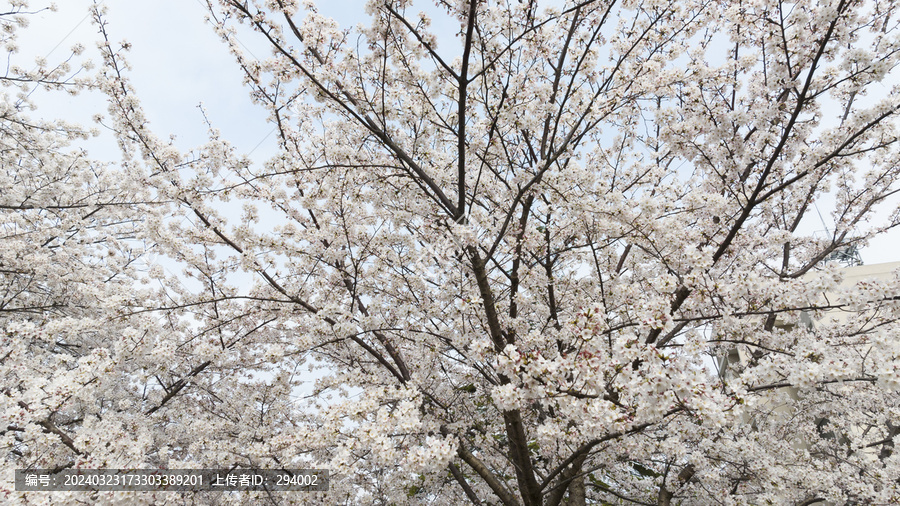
pixel 178 63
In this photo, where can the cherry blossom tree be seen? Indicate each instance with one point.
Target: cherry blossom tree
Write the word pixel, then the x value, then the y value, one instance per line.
pixel 68 230
pixel 507 258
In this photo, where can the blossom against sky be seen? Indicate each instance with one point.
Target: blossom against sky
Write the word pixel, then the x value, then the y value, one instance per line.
pixel 179 64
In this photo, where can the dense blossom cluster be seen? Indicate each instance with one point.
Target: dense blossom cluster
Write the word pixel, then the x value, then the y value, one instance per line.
pixel 496 268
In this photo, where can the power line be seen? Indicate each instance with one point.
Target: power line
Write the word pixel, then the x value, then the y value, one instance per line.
pixel 86 16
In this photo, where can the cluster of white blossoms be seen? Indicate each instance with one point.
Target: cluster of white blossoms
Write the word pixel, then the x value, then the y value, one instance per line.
pixel 496 268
